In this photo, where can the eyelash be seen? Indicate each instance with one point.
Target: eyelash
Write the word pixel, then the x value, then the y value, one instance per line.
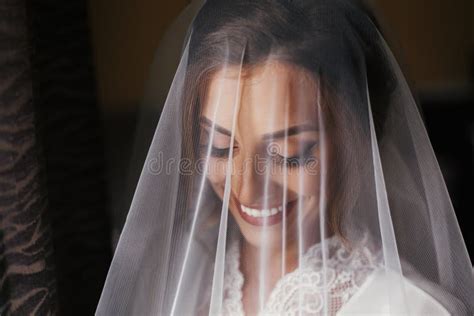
pixel 291 162
pixel 215 152
pixel 220 152
pixel 297 161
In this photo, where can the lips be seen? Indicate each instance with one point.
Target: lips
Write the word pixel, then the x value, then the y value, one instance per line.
pixel 265 216
pixel 262 213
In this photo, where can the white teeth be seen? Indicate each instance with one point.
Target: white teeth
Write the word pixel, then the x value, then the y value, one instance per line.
pixel 262 213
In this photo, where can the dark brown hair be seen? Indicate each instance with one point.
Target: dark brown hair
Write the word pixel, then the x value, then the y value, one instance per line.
pixel 335 40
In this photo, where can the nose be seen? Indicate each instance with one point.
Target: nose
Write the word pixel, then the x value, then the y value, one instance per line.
pixel 254 183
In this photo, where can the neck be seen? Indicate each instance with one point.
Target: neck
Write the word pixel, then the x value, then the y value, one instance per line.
pixel 263 266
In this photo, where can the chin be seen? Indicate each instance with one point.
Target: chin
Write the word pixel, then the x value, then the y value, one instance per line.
pixel 264 237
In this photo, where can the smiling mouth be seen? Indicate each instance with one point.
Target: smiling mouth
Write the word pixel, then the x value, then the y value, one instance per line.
pixel 265 216
pixel 262 213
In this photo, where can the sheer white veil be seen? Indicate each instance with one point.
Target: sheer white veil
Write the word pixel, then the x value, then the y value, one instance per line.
pixel 288 126
pixel 162 70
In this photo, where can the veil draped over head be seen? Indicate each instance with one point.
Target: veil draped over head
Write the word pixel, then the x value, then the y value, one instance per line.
pixel 290 173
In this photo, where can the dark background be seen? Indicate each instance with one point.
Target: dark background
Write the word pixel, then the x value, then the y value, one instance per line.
pixel 74 129
pixel 433 42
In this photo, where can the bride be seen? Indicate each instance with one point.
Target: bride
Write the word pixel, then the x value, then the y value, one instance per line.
pixel 290 174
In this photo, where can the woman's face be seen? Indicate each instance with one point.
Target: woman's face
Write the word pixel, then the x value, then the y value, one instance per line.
pixel 264 121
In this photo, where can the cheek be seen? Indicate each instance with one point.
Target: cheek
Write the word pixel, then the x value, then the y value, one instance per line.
pixel 303 183
pixel 216 174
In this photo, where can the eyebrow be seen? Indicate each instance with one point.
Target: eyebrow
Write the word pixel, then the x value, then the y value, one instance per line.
pixel 218 128
pixel 278 134
pixel 290 131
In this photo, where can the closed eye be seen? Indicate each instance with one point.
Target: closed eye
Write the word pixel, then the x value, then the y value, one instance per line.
pixel 216 151
pixel 299 159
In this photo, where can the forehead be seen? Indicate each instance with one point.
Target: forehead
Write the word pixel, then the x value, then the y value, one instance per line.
pixel 264 97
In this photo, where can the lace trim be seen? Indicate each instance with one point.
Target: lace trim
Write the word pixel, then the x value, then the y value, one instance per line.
pixel 233 282
pixel 305 290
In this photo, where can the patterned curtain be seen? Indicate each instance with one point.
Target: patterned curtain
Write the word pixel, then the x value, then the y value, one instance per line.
pixel 54 235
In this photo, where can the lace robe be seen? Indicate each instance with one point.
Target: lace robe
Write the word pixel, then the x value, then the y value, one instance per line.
pixel 345 272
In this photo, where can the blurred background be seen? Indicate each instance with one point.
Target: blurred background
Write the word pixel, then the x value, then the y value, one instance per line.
pixel 75 126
